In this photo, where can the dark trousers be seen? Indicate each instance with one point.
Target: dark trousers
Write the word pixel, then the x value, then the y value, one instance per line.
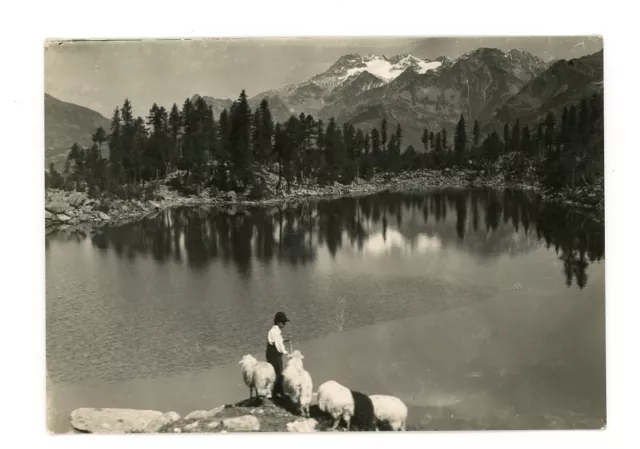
pixel 275 358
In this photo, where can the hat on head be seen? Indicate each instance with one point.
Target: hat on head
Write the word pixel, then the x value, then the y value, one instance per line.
pixel 280 318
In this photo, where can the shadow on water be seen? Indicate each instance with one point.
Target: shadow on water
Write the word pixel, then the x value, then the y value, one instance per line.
pixel 483 222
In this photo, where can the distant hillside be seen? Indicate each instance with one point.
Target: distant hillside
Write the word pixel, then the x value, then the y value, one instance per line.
pixel 66 124
pixel 564 83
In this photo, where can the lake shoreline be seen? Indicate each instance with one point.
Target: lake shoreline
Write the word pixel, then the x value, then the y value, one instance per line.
pixel 76 212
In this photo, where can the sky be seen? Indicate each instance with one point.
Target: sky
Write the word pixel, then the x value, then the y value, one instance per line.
pixel 101 74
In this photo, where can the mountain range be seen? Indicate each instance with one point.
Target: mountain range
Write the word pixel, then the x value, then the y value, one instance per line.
pixel 487 85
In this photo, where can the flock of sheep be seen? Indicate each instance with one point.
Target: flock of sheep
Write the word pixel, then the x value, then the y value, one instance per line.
pixel 352 407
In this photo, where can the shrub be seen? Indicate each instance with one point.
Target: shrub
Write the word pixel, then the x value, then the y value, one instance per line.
pixel 258 190
pixel 150 190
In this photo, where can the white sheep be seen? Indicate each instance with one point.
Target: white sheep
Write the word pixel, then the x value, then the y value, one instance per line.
pixel 297 383
pixel 390 410
pixel 258 376
pixel 336 400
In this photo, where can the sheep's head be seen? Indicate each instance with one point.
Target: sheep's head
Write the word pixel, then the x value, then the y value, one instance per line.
pixel 295 359
pixel 296 355
pixel 247 360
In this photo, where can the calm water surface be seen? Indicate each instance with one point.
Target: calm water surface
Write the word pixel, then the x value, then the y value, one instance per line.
pixel 479 308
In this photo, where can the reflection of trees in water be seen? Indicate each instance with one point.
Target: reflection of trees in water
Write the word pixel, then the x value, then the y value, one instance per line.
pixel 483 222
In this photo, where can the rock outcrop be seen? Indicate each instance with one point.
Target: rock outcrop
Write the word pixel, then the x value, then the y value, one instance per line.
pixel 112 420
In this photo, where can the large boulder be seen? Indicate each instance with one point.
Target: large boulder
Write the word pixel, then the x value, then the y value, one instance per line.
pixel 245 423
pixel 63 218
pixel 103 216
pixel 204 414
pixel 57 207
pixel 302 425
pixel 48 215
pixel 161 421
pixel 77 199
pixel 230 196
pixel 112 420
pixel 191 427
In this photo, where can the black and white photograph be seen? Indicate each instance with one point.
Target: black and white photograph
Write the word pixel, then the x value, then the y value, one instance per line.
pixel 324 234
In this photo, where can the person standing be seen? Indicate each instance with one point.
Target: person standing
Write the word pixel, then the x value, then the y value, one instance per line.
pixel 276 349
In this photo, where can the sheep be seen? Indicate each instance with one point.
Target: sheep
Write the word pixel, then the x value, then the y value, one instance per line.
pixel 258 376
pixel 363 412
pixel 391 411
pixel 297 383
pixel 336 400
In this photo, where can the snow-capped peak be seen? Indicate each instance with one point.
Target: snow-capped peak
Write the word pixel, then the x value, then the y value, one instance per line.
pixel 387 69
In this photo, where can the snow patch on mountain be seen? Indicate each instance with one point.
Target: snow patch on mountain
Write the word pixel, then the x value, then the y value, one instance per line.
pixel 387 70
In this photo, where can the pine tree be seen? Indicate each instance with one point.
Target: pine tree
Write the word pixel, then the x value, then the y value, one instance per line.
pixel 383 134
pixel 476 133
pixel 549 124
pixel 460 141
pixel 188 144
pixel 224 136
pixel 279 150
pixel 128 135
pixel 240 138
pixel 564 127
pixel 115 147
pixel 438 151
pixel 540 138
pixel 174 125
pixel 526 145
pixel 375 145
pixel 399 136
pixel 515 137
pixel 425 140
pixel 99 137
pixel 506 136
pixel 266 134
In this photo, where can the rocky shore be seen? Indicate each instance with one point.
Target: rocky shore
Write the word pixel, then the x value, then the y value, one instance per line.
pixel 245 416
pixel 268 416
pixel 76 211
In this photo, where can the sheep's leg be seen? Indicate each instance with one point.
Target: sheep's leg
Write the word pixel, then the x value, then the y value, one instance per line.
pixel 250 394
pixel 336 421
pixel 347 419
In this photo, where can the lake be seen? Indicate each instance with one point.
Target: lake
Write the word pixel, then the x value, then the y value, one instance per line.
pixel 478 308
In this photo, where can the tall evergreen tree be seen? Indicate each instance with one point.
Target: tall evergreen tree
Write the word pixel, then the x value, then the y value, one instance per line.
pixel 115 147
pixel 266 134
pixel 224 137
pixel 240 137
pixel 526 146
pixel 175 124
pixel 476 133
pixel 460 141
pixel 515 136
pixel 375 143
pixel 425 139
pixel 383 134
pixel 506 136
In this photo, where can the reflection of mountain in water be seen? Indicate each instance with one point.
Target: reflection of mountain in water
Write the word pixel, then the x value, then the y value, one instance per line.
pixel 483 223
